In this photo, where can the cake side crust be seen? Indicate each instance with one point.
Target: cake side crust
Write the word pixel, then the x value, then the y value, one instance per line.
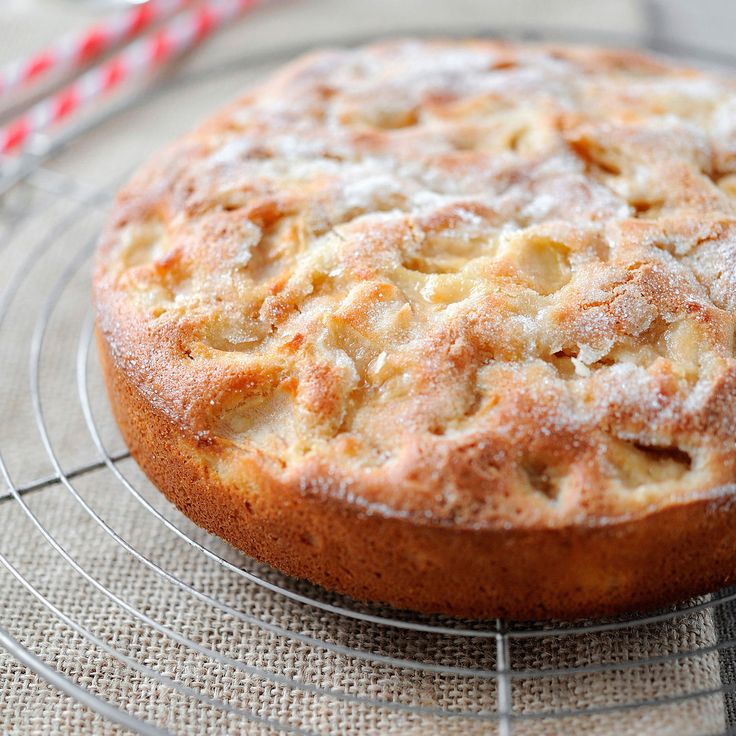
pixel 669 555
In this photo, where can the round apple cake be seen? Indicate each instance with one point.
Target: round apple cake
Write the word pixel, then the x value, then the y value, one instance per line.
pixel 447 325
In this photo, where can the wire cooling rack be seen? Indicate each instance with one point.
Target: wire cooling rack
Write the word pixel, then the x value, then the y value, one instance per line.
pixel 132 618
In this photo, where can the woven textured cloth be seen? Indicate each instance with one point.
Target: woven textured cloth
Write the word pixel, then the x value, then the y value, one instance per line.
pixel 97 585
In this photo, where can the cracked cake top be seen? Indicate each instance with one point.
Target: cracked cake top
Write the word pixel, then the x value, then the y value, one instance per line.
pixel 473 282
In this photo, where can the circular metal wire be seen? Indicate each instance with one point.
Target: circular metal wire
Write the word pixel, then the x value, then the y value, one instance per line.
pixel 352 621
pixel 501 636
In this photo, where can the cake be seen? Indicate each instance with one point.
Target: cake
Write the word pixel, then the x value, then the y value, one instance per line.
pixel 446 325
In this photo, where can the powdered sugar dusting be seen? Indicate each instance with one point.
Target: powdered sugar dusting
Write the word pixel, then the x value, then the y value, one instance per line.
pixel 456 246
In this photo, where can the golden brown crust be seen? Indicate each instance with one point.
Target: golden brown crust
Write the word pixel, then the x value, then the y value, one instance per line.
pixel 447 325
pixel 669 555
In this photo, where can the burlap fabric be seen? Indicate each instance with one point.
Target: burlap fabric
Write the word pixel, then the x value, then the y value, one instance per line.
pixel 243 658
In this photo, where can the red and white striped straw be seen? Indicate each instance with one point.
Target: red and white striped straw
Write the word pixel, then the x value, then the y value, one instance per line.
pixel 137 60
pixel 79 49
